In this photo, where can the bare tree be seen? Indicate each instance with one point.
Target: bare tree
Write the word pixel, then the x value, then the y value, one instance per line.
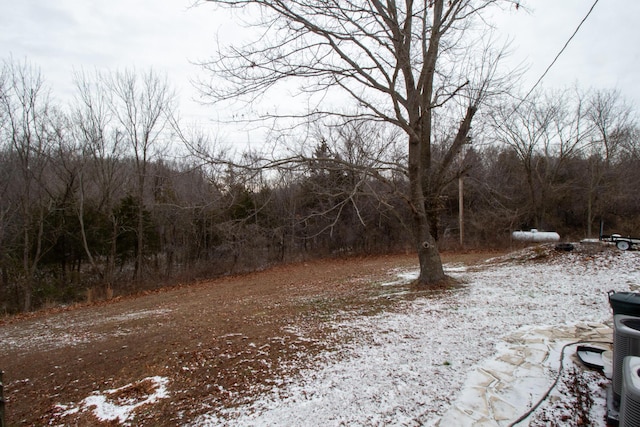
pixel 613 124
pixel 141 106
pixel 101 174
pixel 7 209
pixel 401 62
pixel 545 133
pixel 26 131
pixel 355 166
pixel 613 120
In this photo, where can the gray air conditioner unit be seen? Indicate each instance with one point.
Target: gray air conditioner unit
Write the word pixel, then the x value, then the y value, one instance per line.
pixel 626 342
pixel 630 399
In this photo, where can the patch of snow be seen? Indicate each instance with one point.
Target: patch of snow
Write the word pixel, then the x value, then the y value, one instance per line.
pixel 454 268
pixel 119 404
pixel 402 277
pixel 141 314
pixel 71 330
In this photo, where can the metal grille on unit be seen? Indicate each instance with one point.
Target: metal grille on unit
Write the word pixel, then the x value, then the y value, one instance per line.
pixel 630 399
pixel 626 342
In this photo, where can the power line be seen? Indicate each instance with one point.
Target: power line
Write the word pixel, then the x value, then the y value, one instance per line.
pixel 559 53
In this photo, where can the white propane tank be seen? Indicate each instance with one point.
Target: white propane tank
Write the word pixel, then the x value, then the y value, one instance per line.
pixel 536 236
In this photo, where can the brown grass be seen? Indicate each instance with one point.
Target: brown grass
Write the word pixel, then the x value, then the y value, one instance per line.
pixel 220 343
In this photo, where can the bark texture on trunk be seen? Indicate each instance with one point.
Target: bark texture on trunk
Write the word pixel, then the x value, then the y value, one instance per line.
pixel 431 271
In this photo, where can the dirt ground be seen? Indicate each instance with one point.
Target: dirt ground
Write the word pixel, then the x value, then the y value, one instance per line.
pixel 218 342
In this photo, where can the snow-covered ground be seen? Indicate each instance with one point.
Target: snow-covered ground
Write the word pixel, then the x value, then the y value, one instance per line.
pixel 408 366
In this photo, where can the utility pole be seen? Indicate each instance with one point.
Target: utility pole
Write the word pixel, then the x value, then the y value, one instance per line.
pixel 461 208
pixel 463 153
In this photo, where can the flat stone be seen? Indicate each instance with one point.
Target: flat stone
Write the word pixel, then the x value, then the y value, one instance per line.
pixel 605 331
pixel 583 327
pixel 595 325
pixel 519 393
pixel 472 401
pixel 485 422
pixel 502 410
pixel 512 358
pixel 456 417
pixel 535 356
pixel 529 370
pixel 548 333
pixel 564 333
pixel 482 378
pixel 532 340
pixel 500 370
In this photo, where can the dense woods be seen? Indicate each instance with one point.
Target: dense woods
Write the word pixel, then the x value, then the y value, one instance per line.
pixel 108 195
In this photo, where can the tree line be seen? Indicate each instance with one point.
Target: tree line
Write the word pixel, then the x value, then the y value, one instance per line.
pixel 108 194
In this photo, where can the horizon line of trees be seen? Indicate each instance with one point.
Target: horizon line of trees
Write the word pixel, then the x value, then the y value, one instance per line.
pixel 110 195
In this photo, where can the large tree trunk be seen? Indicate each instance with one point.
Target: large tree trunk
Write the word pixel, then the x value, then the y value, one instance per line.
pixel 420 111
pixel 431 271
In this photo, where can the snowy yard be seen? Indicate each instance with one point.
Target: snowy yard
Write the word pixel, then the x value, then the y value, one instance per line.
pixel 408 365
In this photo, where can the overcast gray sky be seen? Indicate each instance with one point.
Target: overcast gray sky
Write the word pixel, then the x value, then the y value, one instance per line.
pixel 603 54
pixel 62 35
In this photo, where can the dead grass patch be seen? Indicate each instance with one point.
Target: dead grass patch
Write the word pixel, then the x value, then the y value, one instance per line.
pixel 220 343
